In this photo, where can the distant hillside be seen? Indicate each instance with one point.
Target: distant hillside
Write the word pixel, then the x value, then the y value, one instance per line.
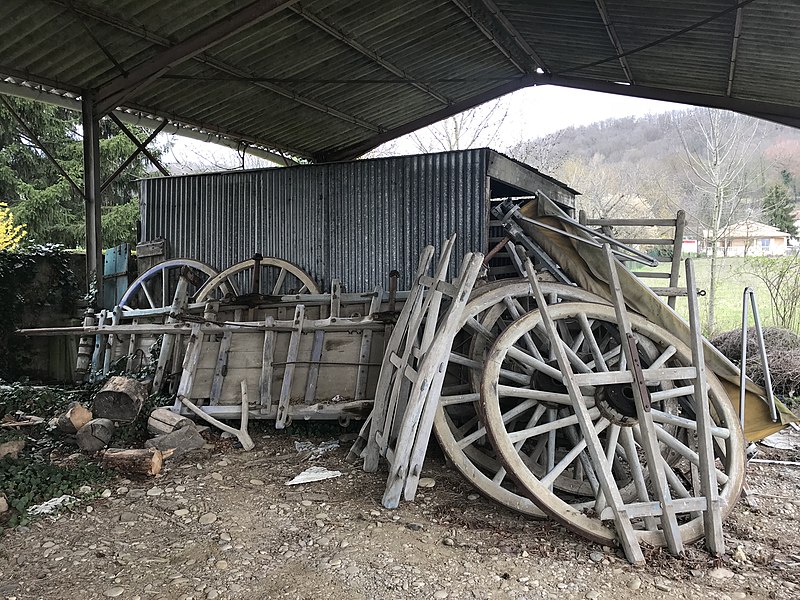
pixel 640 166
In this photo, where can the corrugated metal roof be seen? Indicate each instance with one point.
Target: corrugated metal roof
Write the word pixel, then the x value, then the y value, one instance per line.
pixel 328 79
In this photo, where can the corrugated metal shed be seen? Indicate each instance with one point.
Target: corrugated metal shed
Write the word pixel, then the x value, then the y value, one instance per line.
pixel 353 221
pixel 330 79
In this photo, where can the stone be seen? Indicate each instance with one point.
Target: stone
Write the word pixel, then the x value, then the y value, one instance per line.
pixel 415 526
pixel 114 592
pixel 212 594
pixel 181 512
pixel 592 595
pixel 720 573
pixel 596 556
pixel 183 440
pixel 739 555
pixel 12 448
pixel 222 565
pixel 216 476
pixel 663 587
pixel 334 562
pixel 426 482
pixel 440 594
pixel 449 541
pixel 256 482
pixel 207 519
pixel 473 497
pixel 225 536
pixel 738 595
pixel 634 584
pixel 155 491
pixel 3 504
pixel 128 517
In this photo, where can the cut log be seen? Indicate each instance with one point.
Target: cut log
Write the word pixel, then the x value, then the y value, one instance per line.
pixel 120 399
pixel 77 416
pixel 137 461
pixel 181 440
pixel 95 435
pixel 163 420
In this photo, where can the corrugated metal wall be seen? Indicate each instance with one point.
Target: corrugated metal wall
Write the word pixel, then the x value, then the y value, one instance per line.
pixel 353 221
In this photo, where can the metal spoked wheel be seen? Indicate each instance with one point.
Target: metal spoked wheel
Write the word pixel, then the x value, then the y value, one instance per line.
pixel 259 275
pixel 459 424
pixel 533 427
pixel 155 288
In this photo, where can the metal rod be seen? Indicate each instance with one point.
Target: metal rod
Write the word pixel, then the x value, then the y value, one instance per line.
pixel 132 157
pixel 762 349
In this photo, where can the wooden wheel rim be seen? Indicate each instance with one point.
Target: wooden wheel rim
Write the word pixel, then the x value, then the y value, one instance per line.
pixel 140 283
pixel 224 278
pixel 572 516
pixel 469 460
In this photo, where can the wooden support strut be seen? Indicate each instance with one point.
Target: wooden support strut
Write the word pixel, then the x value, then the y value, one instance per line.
pixel 625 531
pixel 641 396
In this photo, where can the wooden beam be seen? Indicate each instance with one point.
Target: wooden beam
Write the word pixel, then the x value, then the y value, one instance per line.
pixel 139 148
pixel 115 92
pixel 737 32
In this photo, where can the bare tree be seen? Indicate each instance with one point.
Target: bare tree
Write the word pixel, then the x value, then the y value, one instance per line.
pixel 546 153
pixel 716 167
pixel 474 128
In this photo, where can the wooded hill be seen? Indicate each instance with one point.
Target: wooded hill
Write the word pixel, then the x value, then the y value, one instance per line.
pixel 654 165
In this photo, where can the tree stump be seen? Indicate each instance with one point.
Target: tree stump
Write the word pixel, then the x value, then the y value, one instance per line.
pixel 95 435
pixel 137 461
pixel 163 420
pixel 120 399
pixel 76 416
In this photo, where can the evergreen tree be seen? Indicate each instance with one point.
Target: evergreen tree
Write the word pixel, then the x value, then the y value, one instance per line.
pixel 42 198
pixel 778 209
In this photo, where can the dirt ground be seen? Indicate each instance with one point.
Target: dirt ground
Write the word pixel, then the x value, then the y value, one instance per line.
pixel 225 525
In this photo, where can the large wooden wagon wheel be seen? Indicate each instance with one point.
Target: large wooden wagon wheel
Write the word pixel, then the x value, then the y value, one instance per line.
pixel 459 424
pixel 155 288
pixel 550 442
pixel 258 275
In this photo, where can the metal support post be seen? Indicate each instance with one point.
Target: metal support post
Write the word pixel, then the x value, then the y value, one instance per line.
pixel 749 293
pixel 91 187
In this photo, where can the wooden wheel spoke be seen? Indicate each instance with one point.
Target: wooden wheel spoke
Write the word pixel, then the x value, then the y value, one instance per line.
pixel 670 419
pixel 534 362
pixel 594 348
pixel 553 425
pixel 279 282
pixel 149 296
pixel 460 359
pixel 675 444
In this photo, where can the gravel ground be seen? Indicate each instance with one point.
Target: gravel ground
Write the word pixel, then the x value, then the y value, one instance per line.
pixel 223 524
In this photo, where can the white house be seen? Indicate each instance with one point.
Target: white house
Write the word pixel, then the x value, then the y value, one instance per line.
pixel 749 238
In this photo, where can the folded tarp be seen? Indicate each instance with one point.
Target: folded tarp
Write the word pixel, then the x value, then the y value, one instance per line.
pixel 586 265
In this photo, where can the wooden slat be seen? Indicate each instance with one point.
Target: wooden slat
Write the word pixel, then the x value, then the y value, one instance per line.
pixel 282 416
pixel 630 222
pixel 651 275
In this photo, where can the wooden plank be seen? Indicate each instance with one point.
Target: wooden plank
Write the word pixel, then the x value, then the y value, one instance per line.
pixel 712 519
pixel 647 241
pixel 652 451
pixel 313 369
pixel 282 417
pixel 168 341
pixel 605 477
pixel 631 222
pixel 365 350
pixel 221 366
pixel 677 251
pixel 651 274
pixel 132 348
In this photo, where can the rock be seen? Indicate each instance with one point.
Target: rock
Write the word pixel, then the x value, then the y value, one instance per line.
pixel 183 440
pixel 426 482
pixel 663 587
pixel 3 504
pixel 256 482
pixel 222 565
pixel 207 519
pixel 440 594
pixel 414 526
pixel 634 584
pixel 114 592
pixel 12 448
pixel 334 562
pixel 596 556
pixel 181 512
pixel 128 517
pixel 720 573
pixel 739 555
pixel 155 491
pixel 212 594
pixel 449 541
pixel 473 497
pixel 738 595
pixel 592 595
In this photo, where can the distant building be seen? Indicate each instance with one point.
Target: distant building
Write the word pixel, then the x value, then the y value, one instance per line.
pixel 749 238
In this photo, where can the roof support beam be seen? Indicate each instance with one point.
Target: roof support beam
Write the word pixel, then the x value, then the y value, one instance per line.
pixel 612 35
pixel 101 17
pixel 140 147
pixel 91 186
pixel 192 131
pixel 490 20
pixel 455 108
pixel 369 53
pixel 737 32
pixel 115 92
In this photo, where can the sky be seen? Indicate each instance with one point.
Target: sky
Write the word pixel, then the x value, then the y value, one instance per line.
pixel 530 113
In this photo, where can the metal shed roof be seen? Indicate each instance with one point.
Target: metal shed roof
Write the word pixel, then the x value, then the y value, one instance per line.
pixel 330 79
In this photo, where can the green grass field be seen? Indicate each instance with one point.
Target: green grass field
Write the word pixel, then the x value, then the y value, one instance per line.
pixel 732 279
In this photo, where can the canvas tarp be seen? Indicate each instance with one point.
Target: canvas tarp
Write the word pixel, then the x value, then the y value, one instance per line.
pixel 586 265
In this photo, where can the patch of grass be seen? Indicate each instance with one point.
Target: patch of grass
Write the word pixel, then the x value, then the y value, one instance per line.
pixel 732 280
pixel 26 482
